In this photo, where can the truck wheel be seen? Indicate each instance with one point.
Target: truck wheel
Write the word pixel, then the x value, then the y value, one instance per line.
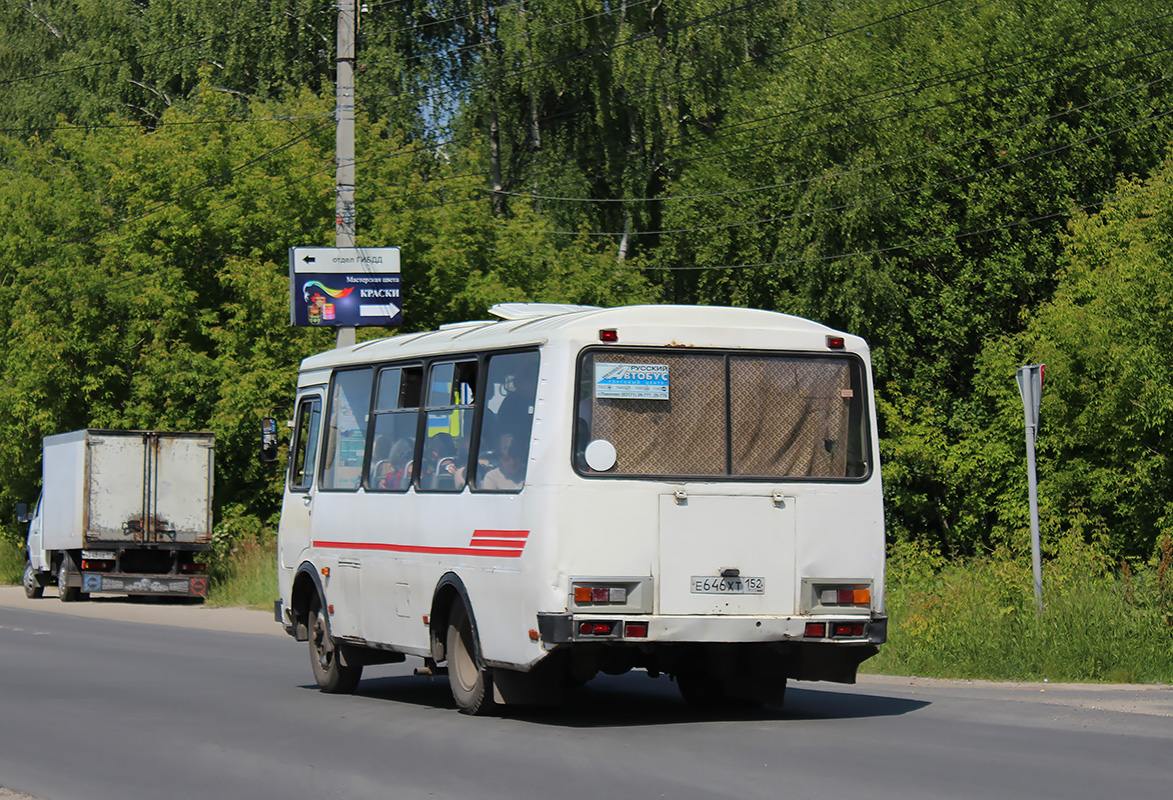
pixel 332 676
pixel 32 587
pixel 467 677
pixel 65 592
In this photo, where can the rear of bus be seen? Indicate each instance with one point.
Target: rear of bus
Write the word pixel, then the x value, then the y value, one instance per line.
pixel 724 521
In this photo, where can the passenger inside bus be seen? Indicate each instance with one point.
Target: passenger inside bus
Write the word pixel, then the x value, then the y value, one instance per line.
pixel 380 465
pixel 515 413
pixel 441 468
pixel 509 473
pixel 398 474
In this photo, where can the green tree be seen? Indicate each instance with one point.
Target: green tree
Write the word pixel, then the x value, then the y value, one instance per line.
pixel 1106 429
pixel 147 285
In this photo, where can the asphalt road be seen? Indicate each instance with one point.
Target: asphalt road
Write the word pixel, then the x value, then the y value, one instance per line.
pixel 132 701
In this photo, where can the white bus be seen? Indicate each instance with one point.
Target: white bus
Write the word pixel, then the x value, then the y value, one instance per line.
pixel 567 490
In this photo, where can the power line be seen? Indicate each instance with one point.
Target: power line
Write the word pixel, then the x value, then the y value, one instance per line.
pixel 787 184
pixel 153 54
pixel 875 95
pixel 918 242
pixel 851 126
pixel 607 49
pixel 906 192
pixel 432 23
pixel 976 173
pixel 164 124
pixel 833 129
pixel 880 165
pixel 174 200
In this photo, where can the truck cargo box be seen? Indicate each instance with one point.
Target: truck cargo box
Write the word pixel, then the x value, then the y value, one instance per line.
pixel 113 489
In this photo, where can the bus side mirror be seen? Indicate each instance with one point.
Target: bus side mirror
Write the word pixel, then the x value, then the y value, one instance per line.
pixel 22 512
pixel 268 453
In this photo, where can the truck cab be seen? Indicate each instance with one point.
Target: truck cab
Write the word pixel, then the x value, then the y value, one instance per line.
pixel 38 567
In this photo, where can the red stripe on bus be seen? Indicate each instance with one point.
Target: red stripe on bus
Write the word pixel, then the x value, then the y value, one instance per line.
pixel 514 552
pixel 500 534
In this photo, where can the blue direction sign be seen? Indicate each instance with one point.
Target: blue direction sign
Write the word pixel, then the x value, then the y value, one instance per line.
pixel 344 286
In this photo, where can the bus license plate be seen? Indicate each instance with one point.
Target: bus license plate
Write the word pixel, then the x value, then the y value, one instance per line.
pixel 704 584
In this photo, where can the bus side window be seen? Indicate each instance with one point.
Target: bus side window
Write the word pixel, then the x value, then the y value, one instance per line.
pixel 350 402
pixel 393 431
pixel 451 399
pixel 301 455
pixel 503 451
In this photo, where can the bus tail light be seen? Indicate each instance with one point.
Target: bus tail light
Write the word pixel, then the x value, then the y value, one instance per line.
pixel 815 630
pixel 596 627
pixel 847 630
pixel 845 596
pixel 599 595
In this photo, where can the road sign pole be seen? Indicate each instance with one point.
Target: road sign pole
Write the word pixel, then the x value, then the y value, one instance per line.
pixel 344 216
pixel 1030 386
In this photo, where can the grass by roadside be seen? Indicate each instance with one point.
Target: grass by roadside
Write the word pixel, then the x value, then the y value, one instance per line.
pixel 242 568
pixel 248 578
pixel 242 563
pixel 977 619
pixel 11 561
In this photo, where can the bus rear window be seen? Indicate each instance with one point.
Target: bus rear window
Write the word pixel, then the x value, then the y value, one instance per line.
pixel 723 415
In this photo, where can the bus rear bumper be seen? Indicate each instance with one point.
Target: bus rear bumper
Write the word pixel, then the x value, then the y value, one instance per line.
pixel 567 628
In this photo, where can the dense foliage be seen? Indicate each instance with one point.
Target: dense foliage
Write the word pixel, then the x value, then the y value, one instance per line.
pixel 969 185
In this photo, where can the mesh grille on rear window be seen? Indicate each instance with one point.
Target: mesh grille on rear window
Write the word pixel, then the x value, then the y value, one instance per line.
pixel 724 414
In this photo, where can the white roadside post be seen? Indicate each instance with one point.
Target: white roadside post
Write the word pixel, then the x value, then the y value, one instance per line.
pixel 1030 386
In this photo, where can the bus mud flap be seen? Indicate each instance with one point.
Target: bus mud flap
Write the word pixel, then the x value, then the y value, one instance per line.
pixel 539 687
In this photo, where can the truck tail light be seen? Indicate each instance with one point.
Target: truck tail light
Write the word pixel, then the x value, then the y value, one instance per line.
pixel 815 630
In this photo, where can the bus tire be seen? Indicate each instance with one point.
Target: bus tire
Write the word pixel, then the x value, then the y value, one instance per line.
pixel 326 657
pixel 467 676
pixel 65 592
pixel 32 586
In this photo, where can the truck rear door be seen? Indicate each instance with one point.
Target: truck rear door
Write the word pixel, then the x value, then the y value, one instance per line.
pixel 148 487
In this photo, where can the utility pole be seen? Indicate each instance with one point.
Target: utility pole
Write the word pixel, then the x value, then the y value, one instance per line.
pixel 344 210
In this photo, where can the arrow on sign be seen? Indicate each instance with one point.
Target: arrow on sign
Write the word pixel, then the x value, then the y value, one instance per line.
pixel 381 310
pixel 309 259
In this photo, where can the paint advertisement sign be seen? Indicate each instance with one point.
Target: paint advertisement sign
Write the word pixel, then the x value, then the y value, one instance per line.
pixel 344 287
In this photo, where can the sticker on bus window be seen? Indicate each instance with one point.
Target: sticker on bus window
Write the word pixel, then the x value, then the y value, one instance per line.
pixel 631 381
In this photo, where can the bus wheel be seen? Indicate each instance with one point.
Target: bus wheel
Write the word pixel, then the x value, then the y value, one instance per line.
pixel 32 587
pixel 469 680
pixel 332 676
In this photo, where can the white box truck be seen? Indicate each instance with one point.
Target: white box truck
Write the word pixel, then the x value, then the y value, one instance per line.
pixel 121 512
